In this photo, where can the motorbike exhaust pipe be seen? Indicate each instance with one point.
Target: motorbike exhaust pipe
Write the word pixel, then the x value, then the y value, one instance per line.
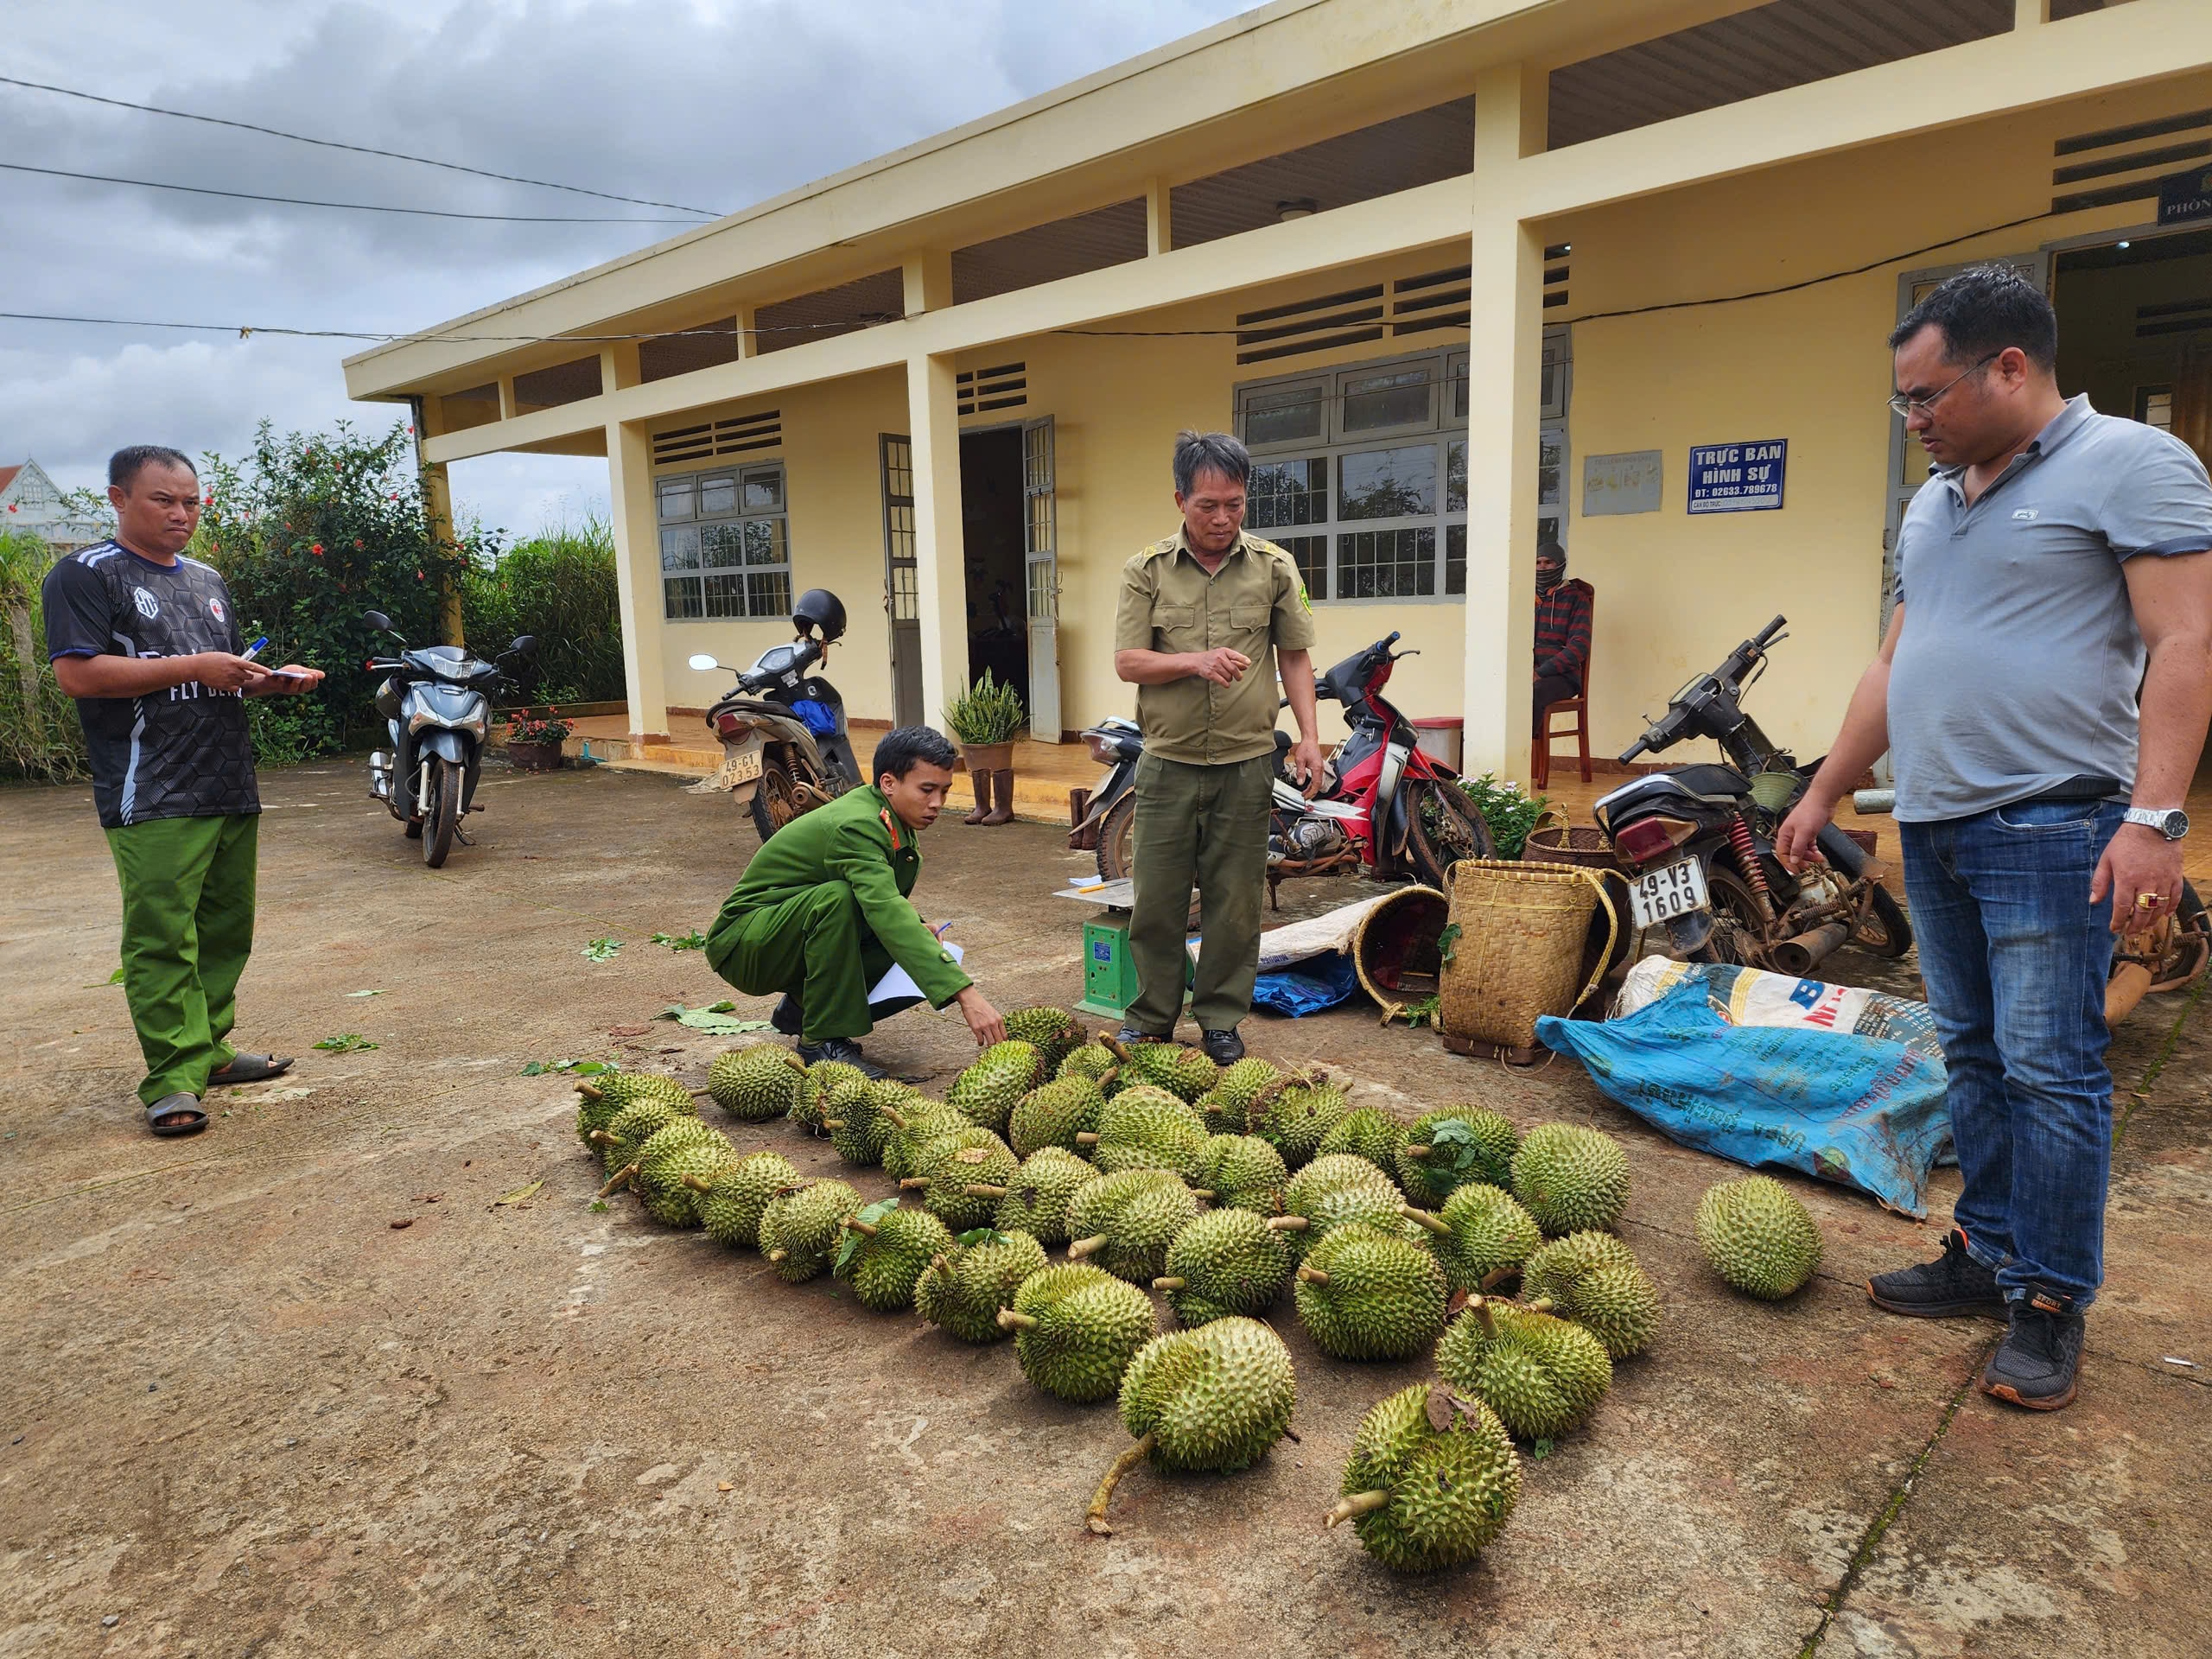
pixel 1808 951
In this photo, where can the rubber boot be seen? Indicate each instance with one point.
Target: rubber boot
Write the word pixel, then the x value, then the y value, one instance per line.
pixel 1003 812
pixel 982 812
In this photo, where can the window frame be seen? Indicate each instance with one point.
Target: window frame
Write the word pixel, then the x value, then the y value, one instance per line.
pixel 686 489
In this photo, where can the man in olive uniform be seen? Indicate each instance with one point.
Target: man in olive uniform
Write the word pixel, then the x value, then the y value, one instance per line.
pixel 1206 620
pixel 822 911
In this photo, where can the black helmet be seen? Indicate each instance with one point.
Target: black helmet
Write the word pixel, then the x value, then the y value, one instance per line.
pixel 818 609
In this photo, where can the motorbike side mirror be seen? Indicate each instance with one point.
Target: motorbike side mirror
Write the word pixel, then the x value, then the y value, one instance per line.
pixel 704 664
pixel 526 644
pixel 378 620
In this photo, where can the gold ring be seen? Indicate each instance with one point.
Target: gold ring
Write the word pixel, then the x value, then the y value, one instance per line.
pixel 2149 900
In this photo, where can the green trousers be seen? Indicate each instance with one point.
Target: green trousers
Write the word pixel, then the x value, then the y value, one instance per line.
pixel 815 947
pixel 188 930
pixel 1207 824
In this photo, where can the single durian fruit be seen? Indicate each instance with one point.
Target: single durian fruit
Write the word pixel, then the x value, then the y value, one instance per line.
pixel 1757 1236
pixel 596 1109
pixel 1053 1113
pixel 1244 1172
pixel 634 1125
pixel 964 1289
pixel 1432 1478
pixel 800 1228
pixel 1540 1374
pixel 1146 1128
pixel 1076 1328
pixel 1570 1179
pixel 1129 1220
pixel 1445 1150
pixel 754 1085
pixel 912 1125
pixel 733 1200
pixel 1186 1073
pixel 1227 1107
pixel 1368 1133
pixel 1595 1280
pixel 994 1080
pixel 1365 1294
pixel 1295 1113
pixel 947 1170
pixel 825 1079
pixel 1213 1399
pixel 1094 1059
pixel 1035 1200
pixel 674 1157
pixel 628 1087
pixel 855 1118
pixel 885 1249
pixel 1226 1262
pixel 1340 1190
pixel 1053 1032
pixel 1480 1235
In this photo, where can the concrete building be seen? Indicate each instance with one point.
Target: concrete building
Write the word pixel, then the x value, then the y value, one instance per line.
pixel 1459 272
pixel 31 501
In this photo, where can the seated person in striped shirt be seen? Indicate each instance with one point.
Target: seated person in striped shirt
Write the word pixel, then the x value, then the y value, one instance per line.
pixel 1562 632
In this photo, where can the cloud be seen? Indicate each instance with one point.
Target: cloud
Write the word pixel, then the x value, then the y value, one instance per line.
pixel 720 104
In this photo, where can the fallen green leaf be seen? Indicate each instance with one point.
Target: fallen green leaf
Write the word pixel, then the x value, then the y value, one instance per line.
pixel 599 1206
pixel 873 1213
pixel 518 1195
pixel 718 1024
pixel 582 1068
pixel 1541 1449
pixel 601 950
pixel 723 1006
pixel 350 1042
pixel 116 978
pixel 693 941
pixel 981 1236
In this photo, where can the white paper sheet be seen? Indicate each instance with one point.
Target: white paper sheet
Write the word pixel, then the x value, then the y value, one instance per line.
pixel 899 983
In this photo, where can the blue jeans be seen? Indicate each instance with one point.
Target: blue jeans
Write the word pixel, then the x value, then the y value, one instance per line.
pixel 2015 957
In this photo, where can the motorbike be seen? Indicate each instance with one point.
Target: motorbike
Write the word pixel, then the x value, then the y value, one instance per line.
pixel 436 704
pixel 786 747
pixel 1384 806
pixel 1698 841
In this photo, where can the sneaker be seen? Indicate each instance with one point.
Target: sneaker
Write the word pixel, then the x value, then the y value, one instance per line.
pixel 1954 1285
pixel 1222 1048
pixel 788 1017
pixel 845 1051
pixel 2039 1362
pixel 1131 1034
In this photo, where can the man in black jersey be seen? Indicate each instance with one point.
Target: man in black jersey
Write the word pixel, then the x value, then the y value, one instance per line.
pixel 145 640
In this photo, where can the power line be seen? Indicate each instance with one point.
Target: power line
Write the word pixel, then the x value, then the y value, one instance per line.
pixel 357 149
pixel 355 206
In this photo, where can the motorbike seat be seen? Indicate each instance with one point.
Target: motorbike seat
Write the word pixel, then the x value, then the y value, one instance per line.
pixel 1704 780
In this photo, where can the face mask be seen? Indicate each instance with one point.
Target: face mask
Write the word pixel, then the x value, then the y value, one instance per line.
pixel 1547 579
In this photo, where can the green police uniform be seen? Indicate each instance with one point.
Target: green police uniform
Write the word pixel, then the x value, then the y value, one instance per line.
pixel 822 912
pixel 1204 783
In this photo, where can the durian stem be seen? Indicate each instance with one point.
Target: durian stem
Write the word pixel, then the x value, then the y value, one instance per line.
pixel 1287 1224
pixel 1113 1047
pixel 1096 1515
pixel 983 1190
pixel 590 1090
pixel 897 1121
pixel 1415 1149
pixel 698 1184
pixel 1168 1284
pixel 1352 1508
pixel 1541 1305
pixel 1085 1138
pixel 1083 1247
pixel 865 1229
pixel 1106 1080
pixel 618 1178
pixel 835 1123
pixel 600 1138
pixel 1205 1194
pixel 938 1263
pixel 1010 1320
pixel 778 1255
pixel 1492 1280
pixel 702 1094
pixel 1421 1217
pixel 914 1182
pixel 1482 1312
pixel 794 1062
pixel 1312 1275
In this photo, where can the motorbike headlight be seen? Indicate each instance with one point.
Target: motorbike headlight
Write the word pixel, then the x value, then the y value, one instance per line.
pixel 1102 748
pixel 474 724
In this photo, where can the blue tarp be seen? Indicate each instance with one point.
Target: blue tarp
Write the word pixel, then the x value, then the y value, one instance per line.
pixel 1865 1111
pixel 1317 982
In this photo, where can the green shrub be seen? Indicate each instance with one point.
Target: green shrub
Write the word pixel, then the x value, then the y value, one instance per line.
pixel 560 586
pixel 1510 812
pixel 39 737
pixel 985 713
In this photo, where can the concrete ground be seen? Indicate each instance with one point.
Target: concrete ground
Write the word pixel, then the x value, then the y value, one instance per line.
pixel 303 1385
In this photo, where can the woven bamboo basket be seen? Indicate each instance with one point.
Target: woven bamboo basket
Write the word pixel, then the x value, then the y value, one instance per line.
pixel 1395 950
pixel 1518 950
pixel 1555 841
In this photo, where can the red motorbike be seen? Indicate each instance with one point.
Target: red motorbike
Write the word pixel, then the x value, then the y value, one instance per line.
pixel 1384 805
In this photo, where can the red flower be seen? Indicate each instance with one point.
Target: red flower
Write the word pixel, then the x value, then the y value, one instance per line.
pixel 358 544
pixel 419 576
pixel 317 549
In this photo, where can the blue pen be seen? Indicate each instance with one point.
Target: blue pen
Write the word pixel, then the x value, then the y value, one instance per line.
pixel 252 651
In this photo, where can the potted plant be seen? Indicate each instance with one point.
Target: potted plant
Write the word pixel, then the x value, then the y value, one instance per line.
pixel 984 718
pixel 534 739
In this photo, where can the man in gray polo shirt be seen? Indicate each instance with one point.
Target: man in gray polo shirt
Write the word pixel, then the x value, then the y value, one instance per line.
pixel 2056 562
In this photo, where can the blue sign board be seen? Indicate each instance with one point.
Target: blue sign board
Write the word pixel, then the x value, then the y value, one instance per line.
pixel 1738 477
pixel 2184 197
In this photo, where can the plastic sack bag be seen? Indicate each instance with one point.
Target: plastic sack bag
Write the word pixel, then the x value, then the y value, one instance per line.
pixel 1864 1111
pixel 819 717
pixel 1316 983
pixel 1751 996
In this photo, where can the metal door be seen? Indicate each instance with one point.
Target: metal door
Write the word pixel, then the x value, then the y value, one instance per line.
pixel 1041 579
pixel 900 600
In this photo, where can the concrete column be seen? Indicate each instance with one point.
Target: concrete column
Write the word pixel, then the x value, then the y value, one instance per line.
pixel 748 343
pixel 1158 218
pixel 1504 375
pixel 2031 14
pixel 507 385
pixel 928 283
pixel 437 508
pixel 636 576
pixel 618 367
pixel 941 577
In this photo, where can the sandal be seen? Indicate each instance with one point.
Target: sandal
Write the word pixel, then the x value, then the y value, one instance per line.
pixel 249 1068
pixel 185 1109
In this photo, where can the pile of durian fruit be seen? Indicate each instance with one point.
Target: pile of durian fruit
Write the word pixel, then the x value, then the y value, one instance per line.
pixel 1219 1188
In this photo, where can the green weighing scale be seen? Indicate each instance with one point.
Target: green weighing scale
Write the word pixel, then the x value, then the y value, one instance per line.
pixel 1109 977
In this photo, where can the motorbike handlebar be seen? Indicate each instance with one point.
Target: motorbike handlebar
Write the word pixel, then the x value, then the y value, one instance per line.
pixel 1765 636
pixel 1635 749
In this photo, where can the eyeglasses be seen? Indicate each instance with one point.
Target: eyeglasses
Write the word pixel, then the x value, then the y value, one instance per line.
pixel 1902 403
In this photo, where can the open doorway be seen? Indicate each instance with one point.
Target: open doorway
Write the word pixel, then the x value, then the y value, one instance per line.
pixel 992 521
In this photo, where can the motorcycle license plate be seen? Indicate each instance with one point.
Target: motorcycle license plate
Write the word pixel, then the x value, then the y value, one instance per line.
pixel 1671 890
pixel 743 768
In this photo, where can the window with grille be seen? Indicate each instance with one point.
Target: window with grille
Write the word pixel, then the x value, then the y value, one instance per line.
pixel 724 544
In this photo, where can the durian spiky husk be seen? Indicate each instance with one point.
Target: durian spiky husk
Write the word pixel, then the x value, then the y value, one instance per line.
pixel 1186 1073
pixel 1367 1294
pixel 1759 1236
pixel 1540 1374
pixel 1594 1280
pixel 994 1081
pixel 1479 1147
pixel 950 1165
pixel 1370 1133
pixel 1126 1222
pixel 963 1289
pixel 757 1083
pixel 1294 1113
pixel 1244 1172
pixel 685 1147
pixel 1053 1113
pixel 1053 1032
pixel 635 1124
pixel 1570 1179
pixel 799 1229
pixel 1076 1328
pixel 1432 1478
pixel 1145 1127
pixel 1227 1106
pixel 731 1211
pixel 1226 1262
pixel 883 1266
pixel 1485 1233
pixel 1036 1199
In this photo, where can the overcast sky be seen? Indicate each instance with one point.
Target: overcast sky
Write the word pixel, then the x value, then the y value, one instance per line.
pixel 715 103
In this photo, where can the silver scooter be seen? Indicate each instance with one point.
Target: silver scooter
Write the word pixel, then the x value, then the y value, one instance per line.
pixel 436 704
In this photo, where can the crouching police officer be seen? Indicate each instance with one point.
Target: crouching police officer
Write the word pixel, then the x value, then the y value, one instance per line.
pixel 823 911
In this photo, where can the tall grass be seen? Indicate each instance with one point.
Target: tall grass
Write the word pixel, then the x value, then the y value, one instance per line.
pixel 558 586
pixel 40 738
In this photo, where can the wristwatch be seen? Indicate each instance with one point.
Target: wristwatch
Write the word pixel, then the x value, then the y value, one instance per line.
pixel 2168 821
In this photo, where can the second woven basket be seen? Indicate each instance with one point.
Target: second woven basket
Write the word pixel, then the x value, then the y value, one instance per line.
pixel 1516 948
